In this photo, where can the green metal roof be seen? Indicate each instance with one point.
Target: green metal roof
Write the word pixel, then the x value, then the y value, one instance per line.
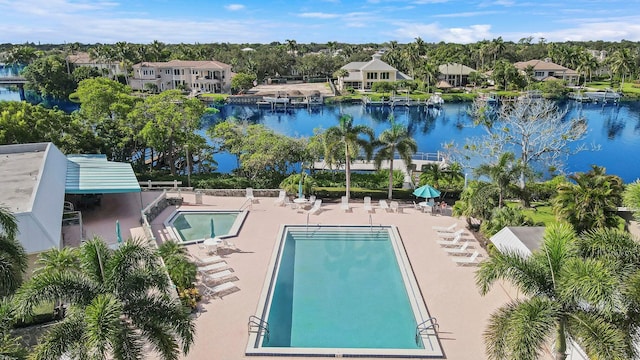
pixel 93 174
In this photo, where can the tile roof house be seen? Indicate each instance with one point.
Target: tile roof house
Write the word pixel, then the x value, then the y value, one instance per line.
pixel 456 75
pixel 202 76
pixel 547 70
pixel 363 74
pixel 85 59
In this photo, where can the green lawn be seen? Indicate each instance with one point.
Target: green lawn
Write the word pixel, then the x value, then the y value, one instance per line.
pixel 628 87
pixel 542 212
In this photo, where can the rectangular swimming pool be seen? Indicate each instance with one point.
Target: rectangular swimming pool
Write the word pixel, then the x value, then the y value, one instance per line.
pixel 342 290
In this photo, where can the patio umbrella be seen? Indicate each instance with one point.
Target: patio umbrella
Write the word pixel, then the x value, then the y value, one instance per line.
pixel 426 191
pixel 118 233
pixel 213 232
pixel 300 188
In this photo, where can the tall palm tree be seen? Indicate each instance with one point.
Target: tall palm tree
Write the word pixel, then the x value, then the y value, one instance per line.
pixel 13 259
pixel 120 300
pixel 590 201
pixel 347 135
pixel 502 173
pixel 566 297
pixel 621 63
pixel 394 139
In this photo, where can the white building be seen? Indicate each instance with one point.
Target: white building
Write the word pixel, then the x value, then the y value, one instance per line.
pixel 361 75
pixel 84 59
pixel 544 70
pixel 202 76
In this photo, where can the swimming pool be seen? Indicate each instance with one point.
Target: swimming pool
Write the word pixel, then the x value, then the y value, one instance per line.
pixel 189 226
pixel 341 290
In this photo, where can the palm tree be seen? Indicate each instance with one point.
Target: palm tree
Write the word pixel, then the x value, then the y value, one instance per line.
pixel 431 174
pixel 566 297
pixel 13 260
pixel 119 301
pixel 621 63
pixel 501 173
pixel 347 135
pixel 591 201
pixel 392 140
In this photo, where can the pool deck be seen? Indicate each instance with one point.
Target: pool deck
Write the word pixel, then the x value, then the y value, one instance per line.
pixel 448 289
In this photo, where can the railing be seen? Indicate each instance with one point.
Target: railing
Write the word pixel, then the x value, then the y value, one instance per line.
pixel 247 204
pixel 370 223
pixel 427 327
pixel 257 325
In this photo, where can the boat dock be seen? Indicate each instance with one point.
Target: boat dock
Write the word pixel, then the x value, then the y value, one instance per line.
pixel 417 161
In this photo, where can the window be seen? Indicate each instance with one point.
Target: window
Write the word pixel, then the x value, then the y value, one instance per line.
pixel 176 71
pixel 384 76
pixel 539 74
pixel 168 72
pixel 372 76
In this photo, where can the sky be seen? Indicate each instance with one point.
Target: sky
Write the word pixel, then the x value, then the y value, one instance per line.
pixel 319 21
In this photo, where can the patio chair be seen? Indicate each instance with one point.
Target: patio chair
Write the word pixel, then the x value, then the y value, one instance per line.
pixel 220 276
pixel 367 204
pixel 206 260
pixel 467 260
pixel 312 199
pixel 345 204
pixel 249 195
pixel 280 200
pixel 451 242
pixel 213 267
pixel 395 207
pixel 384 206
pixel 461 250
pixel 459 232
pixel 219 290
pixel 445 229
pixel 228 244
pixel 316 207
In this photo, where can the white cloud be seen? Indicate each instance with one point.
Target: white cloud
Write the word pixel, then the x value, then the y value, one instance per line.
pixel 466 14
pixel 318 15
pixel 234 7
pixel 434 32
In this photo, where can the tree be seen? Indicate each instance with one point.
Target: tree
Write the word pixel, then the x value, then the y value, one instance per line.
pixel 535 130
pixel 394 139
pixel 347 134
pixel 21 55
pixel 502 173
pixel 241 82
pixel 48 76
pixel 477 202
pixel 432 174
pixel 569 294
pixel 503 217
pixel 621 63
pixel 13 260
pixel 590 202
pixel 119 300
pixel 631 197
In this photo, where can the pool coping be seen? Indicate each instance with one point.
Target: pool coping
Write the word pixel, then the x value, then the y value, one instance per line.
pixel 414 294
pixel 233 231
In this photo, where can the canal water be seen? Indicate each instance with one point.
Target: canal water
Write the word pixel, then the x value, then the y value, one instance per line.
pixel 614 128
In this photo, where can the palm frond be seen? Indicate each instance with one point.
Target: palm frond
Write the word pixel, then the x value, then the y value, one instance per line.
pixel 528 275
pixel 61 338
pixel 599 338
pixel 591 282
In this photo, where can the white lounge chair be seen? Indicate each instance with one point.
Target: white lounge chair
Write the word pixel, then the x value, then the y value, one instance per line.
pixel 459 232
pixel 206 260
pixel 367 204
pixel 451 242
pixel 467 260
pixel 312 199
pixel 447 229
pixel 228 244
pixel 213 267
pixel 280 200
pixel 395 207
pixel 218 277
pixel 219 290
pixel 384 206
pixel 345 204
pixel 316 207
pixel 461 250
pixel 249 195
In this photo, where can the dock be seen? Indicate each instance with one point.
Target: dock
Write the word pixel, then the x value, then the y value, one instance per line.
pixel 417 161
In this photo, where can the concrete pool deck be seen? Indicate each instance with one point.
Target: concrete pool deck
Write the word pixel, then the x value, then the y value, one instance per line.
pixel 448 289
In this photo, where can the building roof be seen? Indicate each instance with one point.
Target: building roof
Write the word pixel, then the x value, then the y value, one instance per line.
pixel 540 65
pixel 357 67
pixel 93 174
pixel 523 239
pixel 21 165
pixel 81 58
pixel 454 69
pixel 185 64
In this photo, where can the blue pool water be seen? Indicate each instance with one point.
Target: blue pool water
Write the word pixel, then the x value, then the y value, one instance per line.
pixel 340 289
pixel 192 226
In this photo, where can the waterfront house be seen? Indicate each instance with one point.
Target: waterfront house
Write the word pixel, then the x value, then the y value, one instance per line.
pixel 547 70
pixel 198 76
pixel 361 75
pixel 457 75
pixel 110 68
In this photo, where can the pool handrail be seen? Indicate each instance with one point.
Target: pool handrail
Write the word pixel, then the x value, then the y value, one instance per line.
pixel 256 325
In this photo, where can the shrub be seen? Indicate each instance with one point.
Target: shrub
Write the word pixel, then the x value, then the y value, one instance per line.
pixel 189 297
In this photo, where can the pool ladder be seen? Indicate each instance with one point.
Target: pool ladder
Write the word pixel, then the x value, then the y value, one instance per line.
pixel 427 327
pixel 257 325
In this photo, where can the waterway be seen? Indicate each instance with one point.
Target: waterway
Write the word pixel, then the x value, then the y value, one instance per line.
pixel 614 128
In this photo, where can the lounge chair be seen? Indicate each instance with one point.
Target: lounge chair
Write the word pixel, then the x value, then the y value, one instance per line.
pixel 384 206
pixel 461 250
pixel 345 204
pixel 228 244
pixel 206 260
pixel 459 232
pixel 447 229
pixel 467 260
pixel 395 207
pixel 213 267
pixel 451 242
pixel 316 207
pixel 219 290
pixel 312 199
pixel 280 200
pixel 367 204
pixel 249 195
pixel 218 277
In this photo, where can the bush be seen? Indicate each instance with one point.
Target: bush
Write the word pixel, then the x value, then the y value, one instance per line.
pixel 189 297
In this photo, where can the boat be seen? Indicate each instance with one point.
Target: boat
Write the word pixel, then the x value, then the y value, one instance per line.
pixel 604 96
pixel 435 100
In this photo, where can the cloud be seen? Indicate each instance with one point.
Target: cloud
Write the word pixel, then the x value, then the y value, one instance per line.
pixel 234 7
pixel 466 14
pixel 318 15
pixel 434 32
